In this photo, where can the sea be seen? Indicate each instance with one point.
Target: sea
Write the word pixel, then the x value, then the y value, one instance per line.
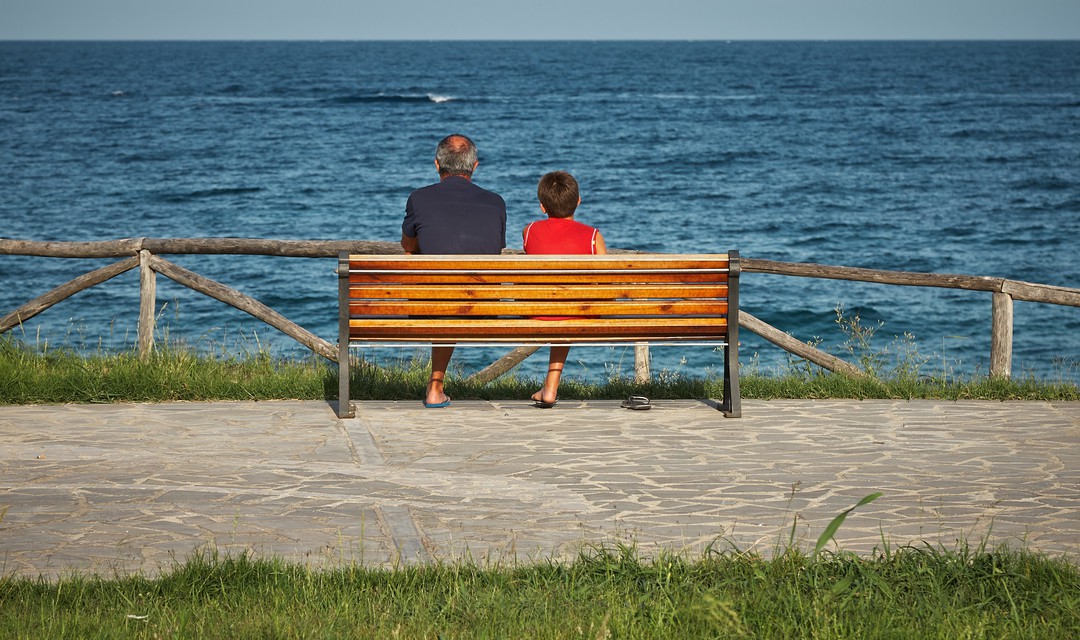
pixel 926 156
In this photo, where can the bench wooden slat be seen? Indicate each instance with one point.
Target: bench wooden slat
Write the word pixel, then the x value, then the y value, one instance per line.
pixel 536 292
pixel 537 308
pixel 493 277
pixel 529 330
pixel 507 263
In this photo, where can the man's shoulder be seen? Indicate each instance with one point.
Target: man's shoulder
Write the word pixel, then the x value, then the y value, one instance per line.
pixel 488 194
pixel 455 182
pixel 456 185
pixel 422 191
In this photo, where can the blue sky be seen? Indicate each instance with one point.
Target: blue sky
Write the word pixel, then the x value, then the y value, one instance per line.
pixel 540 20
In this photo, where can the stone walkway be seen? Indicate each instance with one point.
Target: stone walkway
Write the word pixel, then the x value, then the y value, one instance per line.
pixel 134 488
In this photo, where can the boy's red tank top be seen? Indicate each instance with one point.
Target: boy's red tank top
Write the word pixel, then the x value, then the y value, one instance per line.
pixel 559 236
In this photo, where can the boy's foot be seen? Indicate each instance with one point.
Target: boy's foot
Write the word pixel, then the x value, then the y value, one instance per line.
pixel 540 403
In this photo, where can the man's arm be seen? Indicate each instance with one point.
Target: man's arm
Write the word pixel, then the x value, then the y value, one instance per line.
pixel 410 245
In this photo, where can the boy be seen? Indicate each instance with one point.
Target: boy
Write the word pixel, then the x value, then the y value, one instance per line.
pixel 559 234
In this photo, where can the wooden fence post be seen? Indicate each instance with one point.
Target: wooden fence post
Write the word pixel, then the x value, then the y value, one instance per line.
pixel 1001 336
pixel 147 304
pixel 641 363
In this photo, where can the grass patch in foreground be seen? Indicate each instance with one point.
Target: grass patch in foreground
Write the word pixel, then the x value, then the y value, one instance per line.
pixel 809 386
pixel 607 592
pixel 30 375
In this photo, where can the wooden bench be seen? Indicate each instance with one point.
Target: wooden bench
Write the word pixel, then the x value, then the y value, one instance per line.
pixel 614 299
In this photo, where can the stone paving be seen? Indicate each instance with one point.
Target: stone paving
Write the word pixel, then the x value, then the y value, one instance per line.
pixel 116 489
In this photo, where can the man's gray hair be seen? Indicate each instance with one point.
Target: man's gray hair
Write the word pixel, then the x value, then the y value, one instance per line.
pixel 456 155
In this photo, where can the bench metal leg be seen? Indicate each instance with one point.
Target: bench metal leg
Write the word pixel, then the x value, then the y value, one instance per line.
pixel 345 409
pixel 732 405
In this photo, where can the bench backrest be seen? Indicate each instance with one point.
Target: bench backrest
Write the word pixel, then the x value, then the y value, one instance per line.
pixel 615 298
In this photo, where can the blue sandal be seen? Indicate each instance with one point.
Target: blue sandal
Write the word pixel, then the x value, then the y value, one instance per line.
pixel 437 405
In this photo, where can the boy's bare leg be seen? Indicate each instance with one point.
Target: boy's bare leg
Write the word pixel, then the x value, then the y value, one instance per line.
pixel 556 362
pixel 440 360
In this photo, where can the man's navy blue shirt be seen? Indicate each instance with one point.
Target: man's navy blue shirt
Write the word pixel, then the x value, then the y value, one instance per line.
pixel 455 216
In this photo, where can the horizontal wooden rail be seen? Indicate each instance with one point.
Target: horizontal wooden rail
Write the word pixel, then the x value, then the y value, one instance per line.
pixel 1049 294
pixel 904 278
pixel 1016 289
pixel 209 246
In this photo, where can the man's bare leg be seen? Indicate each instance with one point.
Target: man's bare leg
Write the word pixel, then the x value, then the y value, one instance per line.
pixel 440 360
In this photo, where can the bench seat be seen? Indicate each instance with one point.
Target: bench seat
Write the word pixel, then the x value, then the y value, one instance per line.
pixel 614 299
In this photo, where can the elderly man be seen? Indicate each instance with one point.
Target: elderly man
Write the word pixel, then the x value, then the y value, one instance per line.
pixel 453 216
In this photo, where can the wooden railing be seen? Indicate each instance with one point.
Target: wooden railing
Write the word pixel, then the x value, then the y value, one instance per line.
pixel 145 253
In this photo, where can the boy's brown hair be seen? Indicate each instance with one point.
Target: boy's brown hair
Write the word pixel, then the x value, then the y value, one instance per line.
pixel 558 193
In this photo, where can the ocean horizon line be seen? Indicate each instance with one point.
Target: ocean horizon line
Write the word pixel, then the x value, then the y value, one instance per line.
pixel 542 40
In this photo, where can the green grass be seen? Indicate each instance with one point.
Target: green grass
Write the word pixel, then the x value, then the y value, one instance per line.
pixel 34 375
pixel 606 592
pixel 31 376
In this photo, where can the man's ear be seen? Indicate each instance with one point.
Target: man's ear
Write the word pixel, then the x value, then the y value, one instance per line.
pixel 542 208
pixel 437 168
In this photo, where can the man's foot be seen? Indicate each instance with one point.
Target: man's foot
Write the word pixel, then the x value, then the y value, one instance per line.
pixel 438 405
pixel 434 398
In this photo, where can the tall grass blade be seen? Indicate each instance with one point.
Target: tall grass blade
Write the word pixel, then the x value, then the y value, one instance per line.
pixel 834 526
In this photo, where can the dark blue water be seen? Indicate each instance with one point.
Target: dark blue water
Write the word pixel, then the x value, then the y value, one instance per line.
pixel 953 157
